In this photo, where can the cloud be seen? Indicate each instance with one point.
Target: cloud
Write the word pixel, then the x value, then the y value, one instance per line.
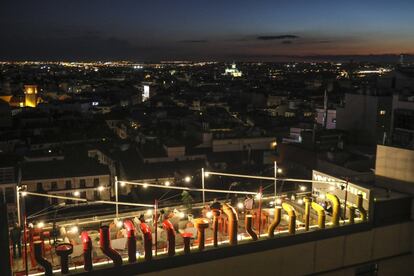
pixel 276 37
pixel 193 41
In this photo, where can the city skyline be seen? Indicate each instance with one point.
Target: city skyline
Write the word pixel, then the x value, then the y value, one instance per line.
pixel 194 30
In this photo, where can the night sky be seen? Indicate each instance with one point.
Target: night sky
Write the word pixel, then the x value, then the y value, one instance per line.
pixel 209 29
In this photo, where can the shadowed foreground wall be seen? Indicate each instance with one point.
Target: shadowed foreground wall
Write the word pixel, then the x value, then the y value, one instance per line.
pixel 390 247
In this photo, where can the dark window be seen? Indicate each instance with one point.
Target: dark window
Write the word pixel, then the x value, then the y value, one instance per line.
pixel 68 184
pixel 39 186
pixel 10 195
pixel 97 195
pixel 54 185
pixel 96 182
pixel 367 270
pixel 82 183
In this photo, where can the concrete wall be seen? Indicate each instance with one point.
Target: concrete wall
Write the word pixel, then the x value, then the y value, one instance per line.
pixel 395 163
pixel 385 246
pixel 239 144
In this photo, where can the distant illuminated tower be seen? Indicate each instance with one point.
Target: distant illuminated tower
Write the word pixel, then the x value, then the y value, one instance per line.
pixel 30 92
pixel 402 59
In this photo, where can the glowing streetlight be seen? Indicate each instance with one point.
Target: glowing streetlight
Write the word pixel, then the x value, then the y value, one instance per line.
pixel 40 224
pixel 76 193
pixel 101 188
pixel 122 184
pixel 209 214
pixel 187 179
pixel 240 205
pixel 167 183
pixel 24 193
pixel 206 174
pixel 302 188
pixel 145 185
pixel 74 229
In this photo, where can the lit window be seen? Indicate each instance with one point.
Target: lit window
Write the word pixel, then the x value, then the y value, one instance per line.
pixel 382 112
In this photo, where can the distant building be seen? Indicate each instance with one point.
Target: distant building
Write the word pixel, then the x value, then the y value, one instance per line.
pixel 330 118
pixel 365 117
pixel 402 125
pixel 233 71
pixel 31 97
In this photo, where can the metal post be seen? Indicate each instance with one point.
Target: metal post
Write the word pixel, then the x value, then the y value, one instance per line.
pixel 275 174
pixel 260 209
pixel 116 195
pixel 202 186
pixel 156 226
pixel 18 206
pixel 346 197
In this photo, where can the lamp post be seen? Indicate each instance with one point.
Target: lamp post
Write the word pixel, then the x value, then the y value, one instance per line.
pixel 275 181
pixel 202 186
pixel 18 205
pixel 116 196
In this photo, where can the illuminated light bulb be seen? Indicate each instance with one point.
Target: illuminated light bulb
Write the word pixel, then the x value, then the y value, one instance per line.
pixel 123 184
pixel 279 170
pixel 145 185
pixel 24 193
pixel 119 224
pixel 76 193
pixel 209 214
pixel 206 174
pixel 40 224
pixel 167 183
pixel 101 188
pixel 240 205
pixel 258 196
pixel 302 188
pixel 74 229
pixel 187 179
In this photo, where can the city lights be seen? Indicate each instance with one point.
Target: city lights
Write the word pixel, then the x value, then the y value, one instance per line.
pixel 187 179
pixel 145 186
pixel 302 188
pixel 167 183
pixel 123 184
pixel 206 174
pixel 40 224
pixel 279 170
pixel 101 188
pixel 76 193
pixel 240 205
pixel 24 193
